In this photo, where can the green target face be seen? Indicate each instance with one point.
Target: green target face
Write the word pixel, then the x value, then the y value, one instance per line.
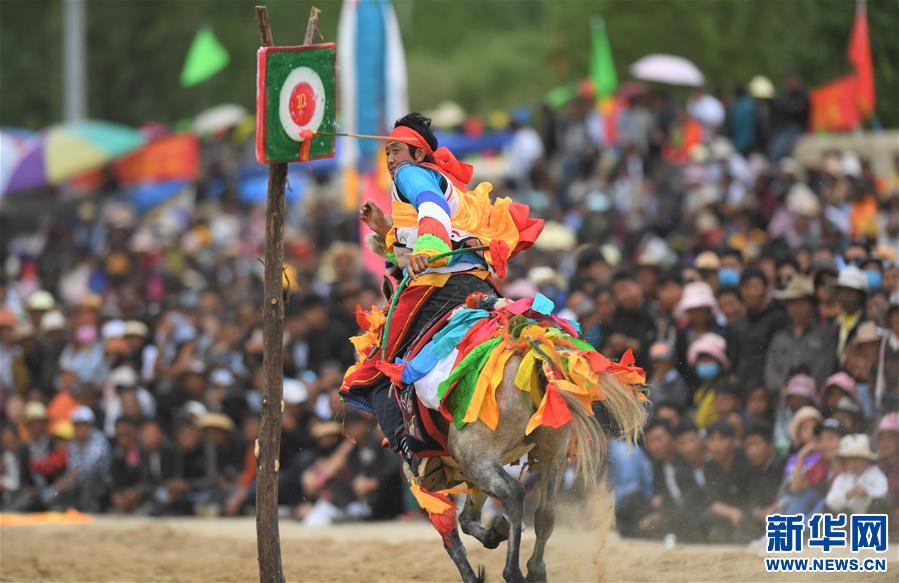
pixel 295 96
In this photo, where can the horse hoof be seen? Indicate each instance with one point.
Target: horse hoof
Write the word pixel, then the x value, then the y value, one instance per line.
pixel 513 577
pixel 536 576
pixel 492 540
pixel 501 527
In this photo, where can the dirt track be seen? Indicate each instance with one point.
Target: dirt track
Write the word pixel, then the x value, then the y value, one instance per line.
pixel 133 549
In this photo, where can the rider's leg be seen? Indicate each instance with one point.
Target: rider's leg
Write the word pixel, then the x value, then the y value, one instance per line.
pixel 387 410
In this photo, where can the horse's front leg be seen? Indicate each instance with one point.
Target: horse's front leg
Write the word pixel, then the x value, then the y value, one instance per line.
pixel 470 521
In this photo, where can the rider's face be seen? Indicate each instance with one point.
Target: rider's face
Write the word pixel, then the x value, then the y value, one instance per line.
pixel 399 152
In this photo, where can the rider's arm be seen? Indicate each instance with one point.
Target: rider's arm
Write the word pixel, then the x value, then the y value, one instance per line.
pixel 421 188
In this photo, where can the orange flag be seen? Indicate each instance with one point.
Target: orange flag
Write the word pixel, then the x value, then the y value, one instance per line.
pixel 835 105
pixel 859 54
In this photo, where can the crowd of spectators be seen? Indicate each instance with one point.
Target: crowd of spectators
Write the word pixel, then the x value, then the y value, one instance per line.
pixel 759 294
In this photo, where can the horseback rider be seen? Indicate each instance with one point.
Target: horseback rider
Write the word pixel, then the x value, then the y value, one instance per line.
pixel 427 184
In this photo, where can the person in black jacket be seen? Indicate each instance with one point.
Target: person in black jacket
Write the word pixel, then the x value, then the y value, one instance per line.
pixel 750 336
pixel 128 474
pixel 765 477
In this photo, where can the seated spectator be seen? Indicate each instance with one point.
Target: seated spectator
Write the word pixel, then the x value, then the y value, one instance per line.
pixel 861 487
pixel 757 405
pixel 158 461
pixel 691 450
pixel 11 487
pixel 218 430
pixel 888 452
pixel 727 401
pixel 668 509
pixel 64 401
pixel 190 482
pixel 666 383
pixel 799 393
pixel 727 478
pixel 837 386
pixel 730 304
pixel 804 344
pixel 86 480
pixel 699 308
pixel 751 335
pixel 377 473
pixel 849 413
pixel 128 486
pixel 708 357
pixel 241 496
pixel 765 476
pixel 886 388
pixel 669 412
pixel 805 474
pixel 630 475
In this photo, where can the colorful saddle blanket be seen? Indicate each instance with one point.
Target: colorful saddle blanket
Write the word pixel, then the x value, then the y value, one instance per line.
pixel 457 367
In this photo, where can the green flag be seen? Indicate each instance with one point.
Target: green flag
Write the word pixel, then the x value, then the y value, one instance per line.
pixel 602 68
pixel 205 58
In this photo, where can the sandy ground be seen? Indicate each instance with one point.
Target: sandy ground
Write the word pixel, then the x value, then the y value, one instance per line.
pixel 224 550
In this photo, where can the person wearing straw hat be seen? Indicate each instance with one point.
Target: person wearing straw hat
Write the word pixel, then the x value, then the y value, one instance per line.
pixel 806 470
pixel 861 487
pixel 804 344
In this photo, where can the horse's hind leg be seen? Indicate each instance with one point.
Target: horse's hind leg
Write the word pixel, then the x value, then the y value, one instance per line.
pixel 552 451
pixel 470 520
pixel 490 476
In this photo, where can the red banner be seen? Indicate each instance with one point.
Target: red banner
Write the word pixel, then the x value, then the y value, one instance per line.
pixel 175 157
pixel 835 105
pixel 859 54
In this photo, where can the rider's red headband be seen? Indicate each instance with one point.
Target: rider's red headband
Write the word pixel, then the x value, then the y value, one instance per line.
pixel 444 160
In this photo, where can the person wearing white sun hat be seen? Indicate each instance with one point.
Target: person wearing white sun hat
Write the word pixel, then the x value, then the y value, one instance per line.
pixel 861 487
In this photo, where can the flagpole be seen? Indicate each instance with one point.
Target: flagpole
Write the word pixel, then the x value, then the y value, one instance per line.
pixel 74 90
pixel 268 445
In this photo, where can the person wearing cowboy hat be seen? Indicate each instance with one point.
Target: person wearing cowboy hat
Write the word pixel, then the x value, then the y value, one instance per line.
pixel 861 487
pixel 804 344
pixel 852 290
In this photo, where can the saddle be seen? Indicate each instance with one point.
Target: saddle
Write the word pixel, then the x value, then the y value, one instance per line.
pixel 426 429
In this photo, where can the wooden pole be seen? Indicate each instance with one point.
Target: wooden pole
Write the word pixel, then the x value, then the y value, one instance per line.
pixel 268 538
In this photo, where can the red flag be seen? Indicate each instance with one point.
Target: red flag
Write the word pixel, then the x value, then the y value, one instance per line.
pixel 835 105
pixel 859 54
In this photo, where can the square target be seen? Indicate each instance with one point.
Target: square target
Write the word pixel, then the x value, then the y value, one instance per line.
pixel 294 94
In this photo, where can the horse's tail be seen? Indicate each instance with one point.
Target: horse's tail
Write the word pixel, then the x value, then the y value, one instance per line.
pixel 626 411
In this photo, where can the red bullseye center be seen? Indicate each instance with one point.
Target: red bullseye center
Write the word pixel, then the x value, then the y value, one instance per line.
pixel 302 104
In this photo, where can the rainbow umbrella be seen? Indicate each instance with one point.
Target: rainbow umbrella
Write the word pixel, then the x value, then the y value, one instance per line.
pixel 64 150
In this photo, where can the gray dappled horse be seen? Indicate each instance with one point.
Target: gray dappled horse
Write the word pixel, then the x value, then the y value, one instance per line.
pixel 479 453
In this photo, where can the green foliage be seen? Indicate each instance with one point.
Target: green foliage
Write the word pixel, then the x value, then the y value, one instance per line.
pixel 485 54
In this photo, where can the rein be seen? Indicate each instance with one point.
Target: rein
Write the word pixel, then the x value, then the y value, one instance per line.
pixel 399 289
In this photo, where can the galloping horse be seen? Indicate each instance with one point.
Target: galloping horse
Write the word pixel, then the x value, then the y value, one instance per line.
pixel 479 451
